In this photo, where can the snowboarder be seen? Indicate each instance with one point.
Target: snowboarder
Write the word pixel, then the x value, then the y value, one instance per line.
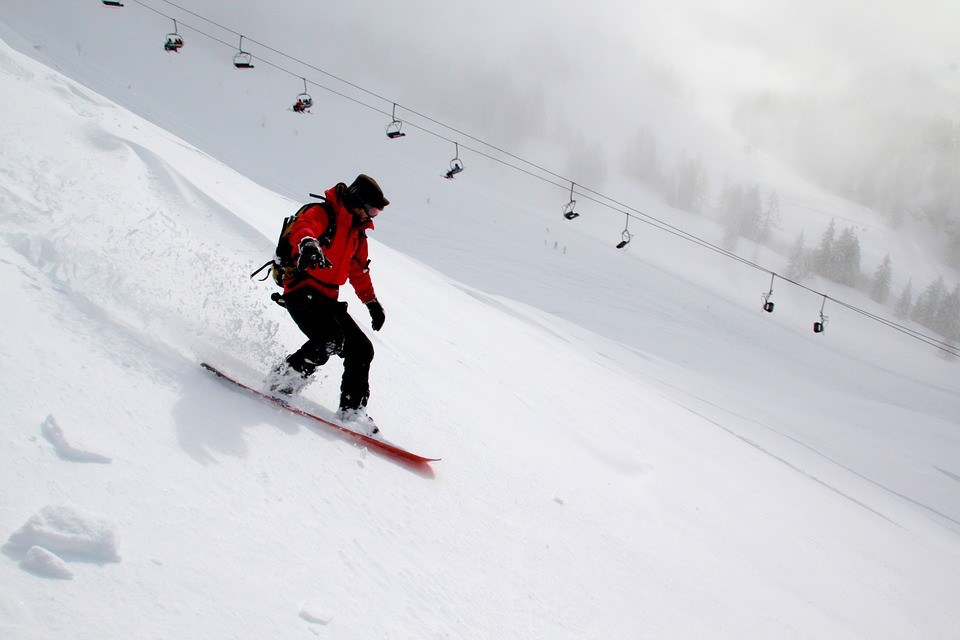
pixel 311 296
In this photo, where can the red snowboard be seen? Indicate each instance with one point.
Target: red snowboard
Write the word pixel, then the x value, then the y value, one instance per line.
pixel 372 443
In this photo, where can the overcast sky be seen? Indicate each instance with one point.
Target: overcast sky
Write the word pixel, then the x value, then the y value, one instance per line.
pixel 581 74
pixel 512 70
pixel 717 47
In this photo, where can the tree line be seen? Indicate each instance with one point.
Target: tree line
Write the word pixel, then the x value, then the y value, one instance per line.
pixel 744 212
pixel 903 164
pixel 837 258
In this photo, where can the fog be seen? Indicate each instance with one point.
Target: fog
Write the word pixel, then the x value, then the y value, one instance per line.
pixel 849 81
pixel 429 54
pixel 861 97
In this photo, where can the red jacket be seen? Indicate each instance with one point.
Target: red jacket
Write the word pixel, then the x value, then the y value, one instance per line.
pixel 347 250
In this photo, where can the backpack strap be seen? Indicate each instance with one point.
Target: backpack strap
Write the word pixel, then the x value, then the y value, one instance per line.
pixel 281 261
pixel 268 263
pixel 326 239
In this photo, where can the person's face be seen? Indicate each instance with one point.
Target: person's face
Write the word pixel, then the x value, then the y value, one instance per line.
pixel 365 213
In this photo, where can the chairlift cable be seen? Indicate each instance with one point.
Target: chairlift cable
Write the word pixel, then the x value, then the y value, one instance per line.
pixel 529 168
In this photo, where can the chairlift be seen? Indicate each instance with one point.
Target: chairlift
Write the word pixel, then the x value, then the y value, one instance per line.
pixel 818 327
pixel 304 100
pixel 242 59
pixel 112 3
pixel 626 236
pixel 174 42
pixel 568 209
pixel 393 129
pixel 767 305
pixel 303 103
pixel 456 165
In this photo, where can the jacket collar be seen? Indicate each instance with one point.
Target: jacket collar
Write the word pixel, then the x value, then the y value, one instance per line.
pixel 334 195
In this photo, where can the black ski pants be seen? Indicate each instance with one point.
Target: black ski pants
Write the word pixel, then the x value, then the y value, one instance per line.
pixel 331 331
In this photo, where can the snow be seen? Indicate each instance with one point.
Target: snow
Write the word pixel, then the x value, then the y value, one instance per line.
pixel 65 530
pixel 630 447
pixel 44 562
pixel 52 431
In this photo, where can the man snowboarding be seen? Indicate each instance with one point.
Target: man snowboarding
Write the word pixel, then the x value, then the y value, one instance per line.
pixel 329 244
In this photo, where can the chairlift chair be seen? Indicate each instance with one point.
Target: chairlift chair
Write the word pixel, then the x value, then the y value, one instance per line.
pixel 568 209
pixel 304 100
pixel 767 305
pixel 112 3
pixel 393 129
pixel 242 59
pixel 818 327
pixel 626 236
pixel 303 103
pixel 174 43
pixel 456 165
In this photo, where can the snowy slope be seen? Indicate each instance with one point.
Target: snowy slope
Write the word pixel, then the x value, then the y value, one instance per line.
pixel 689 467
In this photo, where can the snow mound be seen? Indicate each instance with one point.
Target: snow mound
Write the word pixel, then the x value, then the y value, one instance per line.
pixel 67 530
pixel 45 563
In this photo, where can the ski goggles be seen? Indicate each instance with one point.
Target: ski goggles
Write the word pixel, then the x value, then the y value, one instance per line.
pixel 371 211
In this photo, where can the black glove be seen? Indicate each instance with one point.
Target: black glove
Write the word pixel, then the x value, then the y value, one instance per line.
pixel 311 255
pixel 376 314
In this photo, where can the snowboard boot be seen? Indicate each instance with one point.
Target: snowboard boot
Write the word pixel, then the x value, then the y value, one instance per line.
pixel 357 420
pixel 284 380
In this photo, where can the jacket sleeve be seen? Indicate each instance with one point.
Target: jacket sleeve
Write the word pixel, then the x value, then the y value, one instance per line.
pixel 360 272
pixel 310 224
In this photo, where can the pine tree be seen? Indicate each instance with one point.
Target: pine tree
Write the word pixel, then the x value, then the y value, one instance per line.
pixel 771 217
pixel 641 159
pixel 952 251
pixel 946 317
pixel 880 284
pixel 798 266
pixel 751 213
pixel 823 256
pixel 927 303
pixel 690 187
pixel 731 203
pixel 905 301
pixel 845 265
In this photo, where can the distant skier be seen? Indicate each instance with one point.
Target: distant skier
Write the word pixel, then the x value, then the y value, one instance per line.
pixel 330 248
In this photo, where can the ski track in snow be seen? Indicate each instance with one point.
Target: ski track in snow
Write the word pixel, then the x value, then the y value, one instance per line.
pixel 54 434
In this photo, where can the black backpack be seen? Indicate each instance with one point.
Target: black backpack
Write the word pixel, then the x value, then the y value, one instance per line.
pixel 283 266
